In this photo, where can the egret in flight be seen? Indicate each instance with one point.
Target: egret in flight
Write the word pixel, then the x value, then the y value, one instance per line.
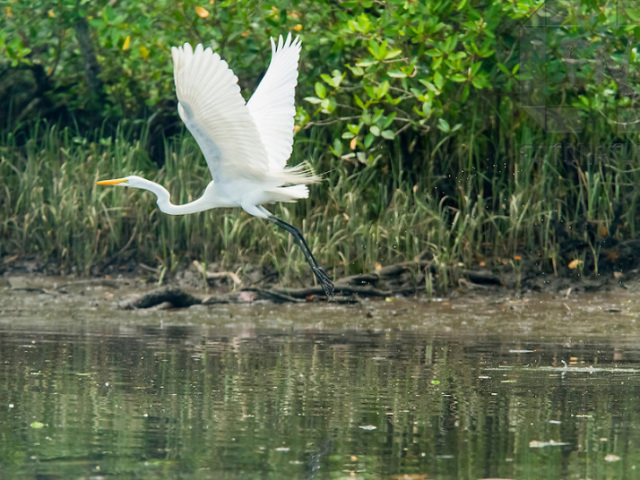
pixel 246 145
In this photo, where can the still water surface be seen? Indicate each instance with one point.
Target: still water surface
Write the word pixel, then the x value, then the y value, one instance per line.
pixel 546 388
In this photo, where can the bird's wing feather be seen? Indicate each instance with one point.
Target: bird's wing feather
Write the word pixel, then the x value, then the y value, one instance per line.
pixel 272 105
pixel 212 108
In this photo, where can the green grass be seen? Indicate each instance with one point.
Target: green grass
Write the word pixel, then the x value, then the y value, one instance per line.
pixel 454 206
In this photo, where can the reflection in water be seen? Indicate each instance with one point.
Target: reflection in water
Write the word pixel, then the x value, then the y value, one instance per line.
pixel 192 402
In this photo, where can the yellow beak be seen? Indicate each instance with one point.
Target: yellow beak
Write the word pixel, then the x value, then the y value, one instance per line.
pixel 115 181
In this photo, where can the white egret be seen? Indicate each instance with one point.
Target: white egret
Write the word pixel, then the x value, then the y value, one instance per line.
pixel 246 145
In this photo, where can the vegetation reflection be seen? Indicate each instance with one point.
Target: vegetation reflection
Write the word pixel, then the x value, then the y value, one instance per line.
pixel 188 401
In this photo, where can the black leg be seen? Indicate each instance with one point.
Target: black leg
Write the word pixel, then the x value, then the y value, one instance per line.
pixel 323 277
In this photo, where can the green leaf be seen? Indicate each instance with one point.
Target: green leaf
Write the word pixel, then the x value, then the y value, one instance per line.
pixel 433 52
pixel 368 140
pixel 334 81
pixel 328 105
pixel 382 51
pixel 438 80
pixel 366 63
pixel 382 90
pixel 374 49
pixel 444 125
pixel 389 120
pixel 375 130
pixel 457 55
pixel 321 90
pixel 396 74
pixel 457 77
pixel 313 100
pixel 388 134
pixel 107 14
pixel 480 82
pixel 392 54
pixel 503 69
pixel 430 86
pixel 337 147
pixel 465 93
pixel 357 71
pixel 633 15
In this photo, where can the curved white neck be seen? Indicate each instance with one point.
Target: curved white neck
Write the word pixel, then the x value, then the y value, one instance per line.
pixel 205 202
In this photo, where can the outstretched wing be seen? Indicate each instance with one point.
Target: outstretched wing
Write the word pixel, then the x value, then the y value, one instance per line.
pixel 210 105
pixel 272 105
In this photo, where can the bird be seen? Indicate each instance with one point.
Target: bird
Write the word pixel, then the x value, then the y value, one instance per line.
pixel 246 144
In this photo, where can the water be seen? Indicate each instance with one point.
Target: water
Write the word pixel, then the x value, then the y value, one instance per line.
pixel 533 389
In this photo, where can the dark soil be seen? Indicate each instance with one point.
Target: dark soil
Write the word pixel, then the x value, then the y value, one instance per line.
pixel 191 285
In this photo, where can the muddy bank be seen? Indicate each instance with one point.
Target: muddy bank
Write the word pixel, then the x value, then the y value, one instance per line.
pixel 140 286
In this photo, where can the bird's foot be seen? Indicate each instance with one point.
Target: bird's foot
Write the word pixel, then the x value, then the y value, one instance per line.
pixel 325 280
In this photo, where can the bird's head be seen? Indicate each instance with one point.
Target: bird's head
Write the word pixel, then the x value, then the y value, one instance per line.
pixel 139 182
pixel 130 181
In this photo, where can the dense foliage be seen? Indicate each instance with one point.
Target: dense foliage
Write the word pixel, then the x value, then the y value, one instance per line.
pixel 429 113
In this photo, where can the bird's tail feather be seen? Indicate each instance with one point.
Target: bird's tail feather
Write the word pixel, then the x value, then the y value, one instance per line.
pixel 298 174
pixel 291 193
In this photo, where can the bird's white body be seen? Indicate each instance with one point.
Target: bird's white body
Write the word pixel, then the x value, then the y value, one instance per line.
pixel 246 144
pixel 237 193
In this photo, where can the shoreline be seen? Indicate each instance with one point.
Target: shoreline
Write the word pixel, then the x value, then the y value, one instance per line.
pixel 190 286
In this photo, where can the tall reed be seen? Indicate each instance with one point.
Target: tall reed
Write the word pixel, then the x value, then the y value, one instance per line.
pixel 452 204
